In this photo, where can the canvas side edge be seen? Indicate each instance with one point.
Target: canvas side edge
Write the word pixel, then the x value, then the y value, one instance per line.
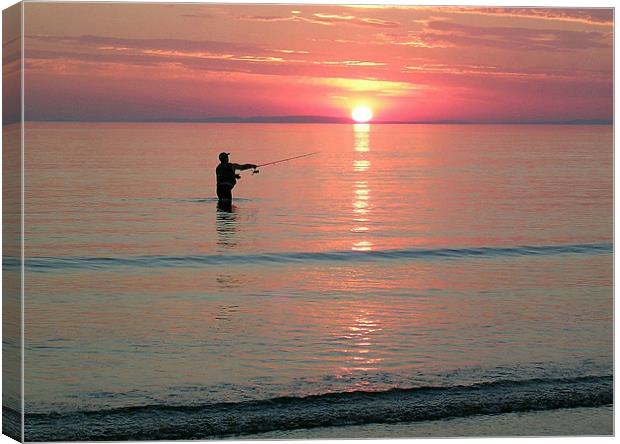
pixel 12 222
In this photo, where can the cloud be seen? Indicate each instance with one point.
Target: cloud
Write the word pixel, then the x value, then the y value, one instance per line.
pixel 485 71
pixel 353 20
pixel 291 51
pixel 324 19
pixel 378 87
pixel 266 18
pixel 96 42
pixel 414 40
pixel 441 33
pixel 191 64
pixel 349 63
pixel 76 55
pixel 593 16
pixel 174 58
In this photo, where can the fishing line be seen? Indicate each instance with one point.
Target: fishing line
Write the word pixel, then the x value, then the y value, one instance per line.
pixel 256 171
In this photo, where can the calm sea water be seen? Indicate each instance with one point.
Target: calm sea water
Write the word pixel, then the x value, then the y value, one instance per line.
pixel 405 272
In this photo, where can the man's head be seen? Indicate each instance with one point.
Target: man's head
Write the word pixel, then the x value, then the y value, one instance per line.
pixel 224 157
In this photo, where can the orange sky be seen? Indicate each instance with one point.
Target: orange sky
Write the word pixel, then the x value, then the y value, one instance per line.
pixel 175 61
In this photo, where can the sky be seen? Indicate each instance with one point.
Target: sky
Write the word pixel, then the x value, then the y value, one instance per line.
pixel 122 62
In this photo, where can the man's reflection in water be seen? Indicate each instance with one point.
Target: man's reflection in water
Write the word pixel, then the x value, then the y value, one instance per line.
pixel 226 225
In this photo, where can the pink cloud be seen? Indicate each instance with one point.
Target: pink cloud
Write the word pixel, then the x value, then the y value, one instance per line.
pixel 440 33
pixel 325 19
pixel 596 16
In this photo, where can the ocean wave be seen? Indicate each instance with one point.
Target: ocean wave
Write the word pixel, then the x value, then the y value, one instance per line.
pixel 94 263
pixel 161 422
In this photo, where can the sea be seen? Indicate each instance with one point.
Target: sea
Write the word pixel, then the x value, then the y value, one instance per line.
pixel 402 275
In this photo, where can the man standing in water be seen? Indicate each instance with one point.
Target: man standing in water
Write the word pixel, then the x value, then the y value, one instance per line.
pixel 227 177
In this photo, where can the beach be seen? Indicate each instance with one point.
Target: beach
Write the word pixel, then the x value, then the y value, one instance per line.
pixel 561 422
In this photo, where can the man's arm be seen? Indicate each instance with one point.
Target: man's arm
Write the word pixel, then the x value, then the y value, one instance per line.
pixel 244 166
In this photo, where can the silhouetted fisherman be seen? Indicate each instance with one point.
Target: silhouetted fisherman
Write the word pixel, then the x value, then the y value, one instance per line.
pixel 227 177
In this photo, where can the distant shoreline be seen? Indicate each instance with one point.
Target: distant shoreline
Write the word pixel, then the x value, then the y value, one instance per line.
pixel 301 120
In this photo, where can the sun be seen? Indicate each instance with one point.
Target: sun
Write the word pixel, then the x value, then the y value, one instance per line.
pixel 361 114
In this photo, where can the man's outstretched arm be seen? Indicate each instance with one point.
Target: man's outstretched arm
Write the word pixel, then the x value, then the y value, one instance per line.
pixel 243 166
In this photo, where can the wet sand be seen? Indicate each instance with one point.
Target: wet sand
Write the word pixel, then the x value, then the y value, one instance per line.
pixel 591 421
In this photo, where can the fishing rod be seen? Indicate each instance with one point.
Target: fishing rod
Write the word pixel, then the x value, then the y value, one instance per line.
pixel 255 170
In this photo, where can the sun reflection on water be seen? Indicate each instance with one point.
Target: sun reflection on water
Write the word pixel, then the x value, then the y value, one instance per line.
pixel 360 354
pixel 361 165
pixel 361 190
pixel 361 131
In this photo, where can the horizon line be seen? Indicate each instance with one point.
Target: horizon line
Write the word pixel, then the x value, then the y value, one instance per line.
pixel 325 120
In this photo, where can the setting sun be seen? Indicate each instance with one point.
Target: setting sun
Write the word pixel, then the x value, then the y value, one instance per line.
pixel 361 114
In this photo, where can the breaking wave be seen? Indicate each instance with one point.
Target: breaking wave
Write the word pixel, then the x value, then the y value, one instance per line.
pixel 162 422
